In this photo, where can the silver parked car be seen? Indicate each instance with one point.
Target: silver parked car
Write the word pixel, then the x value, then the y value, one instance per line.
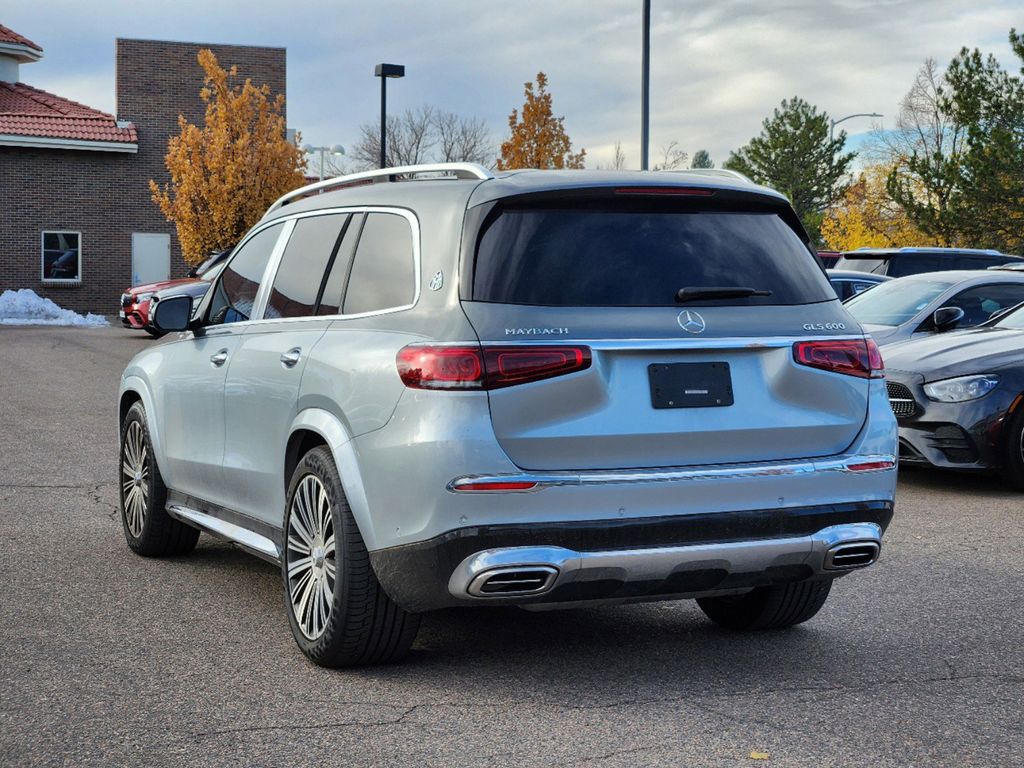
pixel 934 302
pixel 433 386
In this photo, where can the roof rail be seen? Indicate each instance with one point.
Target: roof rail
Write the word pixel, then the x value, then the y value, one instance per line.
pixel 458 170
pixel 715 172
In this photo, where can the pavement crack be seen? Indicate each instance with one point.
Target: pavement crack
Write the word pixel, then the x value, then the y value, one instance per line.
pixel 311 726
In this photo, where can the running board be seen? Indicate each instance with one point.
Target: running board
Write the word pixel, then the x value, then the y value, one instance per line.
pixel 251 542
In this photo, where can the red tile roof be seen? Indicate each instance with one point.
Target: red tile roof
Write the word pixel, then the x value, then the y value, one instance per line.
pixel 10 36
pixel 28 111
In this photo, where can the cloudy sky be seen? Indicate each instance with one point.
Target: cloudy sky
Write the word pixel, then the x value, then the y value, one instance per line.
pixel 717 68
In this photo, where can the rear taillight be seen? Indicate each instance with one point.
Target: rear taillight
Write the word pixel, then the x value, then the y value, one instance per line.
pixel 852 357
pixel 425 366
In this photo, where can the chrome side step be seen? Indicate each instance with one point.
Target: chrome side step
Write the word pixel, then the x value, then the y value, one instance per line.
pixel 251 542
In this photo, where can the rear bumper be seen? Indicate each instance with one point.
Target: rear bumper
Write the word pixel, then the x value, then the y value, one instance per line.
pixel 629 559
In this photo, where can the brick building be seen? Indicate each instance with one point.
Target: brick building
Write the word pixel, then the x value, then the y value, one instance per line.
pixel 78 223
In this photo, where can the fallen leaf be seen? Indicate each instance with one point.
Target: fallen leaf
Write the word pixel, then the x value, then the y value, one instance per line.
pixel 755 755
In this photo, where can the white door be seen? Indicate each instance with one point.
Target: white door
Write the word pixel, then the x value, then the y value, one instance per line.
pixel 151 257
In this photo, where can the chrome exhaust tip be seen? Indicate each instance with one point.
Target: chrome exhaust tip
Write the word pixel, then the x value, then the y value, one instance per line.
pixel 846 557
pixel 507 582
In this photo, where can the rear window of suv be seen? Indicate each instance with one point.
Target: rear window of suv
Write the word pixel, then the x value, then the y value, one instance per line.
pixel 611 256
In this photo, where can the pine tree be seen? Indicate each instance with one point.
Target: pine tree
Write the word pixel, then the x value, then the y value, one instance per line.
pixel 795 155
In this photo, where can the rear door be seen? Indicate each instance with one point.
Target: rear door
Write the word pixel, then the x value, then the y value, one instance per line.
pixel 672 382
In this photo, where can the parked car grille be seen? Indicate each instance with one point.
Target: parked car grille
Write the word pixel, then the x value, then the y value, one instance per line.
pixel 901 399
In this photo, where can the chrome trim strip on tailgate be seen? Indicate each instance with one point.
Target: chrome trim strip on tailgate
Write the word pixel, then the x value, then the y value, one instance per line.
pixel 730 472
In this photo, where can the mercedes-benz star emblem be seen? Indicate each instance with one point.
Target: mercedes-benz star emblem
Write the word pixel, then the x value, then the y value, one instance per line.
pixel 691 322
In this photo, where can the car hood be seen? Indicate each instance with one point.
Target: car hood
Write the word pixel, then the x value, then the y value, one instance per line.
pixel 944 355
pixel 153 287
pixel 883 334
pixel 192 288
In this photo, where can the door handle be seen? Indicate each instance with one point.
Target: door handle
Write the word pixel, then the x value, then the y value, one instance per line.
pixel 291 357
pixel 219 358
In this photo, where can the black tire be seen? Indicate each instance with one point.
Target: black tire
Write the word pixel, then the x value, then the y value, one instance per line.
pixel 159 534
pixel 1013 467
pixel 153 332
pixel 774 607
pixel 364 626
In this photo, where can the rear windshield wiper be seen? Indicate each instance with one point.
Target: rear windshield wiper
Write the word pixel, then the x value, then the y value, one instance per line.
pixel 718 292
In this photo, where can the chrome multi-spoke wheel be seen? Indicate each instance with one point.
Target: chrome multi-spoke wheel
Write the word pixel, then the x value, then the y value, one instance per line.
pixel 149 529
pixel 135 478
pixel 310 556
pixel 338 612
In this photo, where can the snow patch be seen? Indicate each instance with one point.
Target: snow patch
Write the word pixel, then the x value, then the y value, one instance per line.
pixel 26 307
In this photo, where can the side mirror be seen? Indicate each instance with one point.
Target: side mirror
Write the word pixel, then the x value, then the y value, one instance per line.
pixel 173 314
pixel 946 318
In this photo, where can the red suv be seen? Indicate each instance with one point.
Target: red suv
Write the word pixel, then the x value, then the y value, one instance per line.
pixel 136 301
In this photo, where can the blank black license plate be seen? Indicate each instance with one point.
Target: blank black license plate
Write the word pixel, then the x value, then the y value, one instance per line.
pixel 690 385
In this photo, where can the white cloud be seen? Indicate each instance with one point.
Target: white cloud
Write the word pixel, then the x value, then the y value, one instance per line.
pixel 717 69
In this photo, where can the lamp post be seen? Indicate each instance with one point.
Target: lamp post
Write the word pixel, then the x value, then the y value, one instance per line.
pixel 645 86
pixel 384 71
pixel 336 149
pixel 834 123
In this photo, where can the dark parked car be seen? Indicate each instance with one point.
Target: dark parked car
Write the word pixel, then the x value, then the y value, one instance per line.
pixel 847 283
pixel 959 398
pixel 900 262
pixel 829 258
pixel 934 302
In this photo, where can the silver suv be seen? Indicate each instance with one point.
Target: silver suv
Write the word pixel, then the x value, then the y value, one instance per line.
pixel 433 386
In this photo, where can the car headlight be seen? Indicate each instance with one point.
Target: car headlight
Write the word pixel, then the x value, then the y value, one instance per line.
pixel 961 389
pixel 141 297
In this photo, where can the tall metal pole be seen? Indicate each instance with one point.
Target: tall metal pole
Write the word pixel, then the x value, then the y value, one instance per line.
pixel 645 88
pixel 383 120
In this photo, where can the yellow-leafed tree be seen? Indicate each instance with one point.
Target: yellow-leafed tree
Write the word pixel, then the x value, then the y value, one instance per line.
pixel 226 173
pixel 866 217
pixel 538 138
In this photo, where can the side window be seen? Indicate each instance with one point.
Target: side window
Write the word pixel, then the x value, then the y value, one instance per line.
pixel 972 262
pixel 980 303
pixel 62 257
pixel 857 287
pixel 905 264
pixel 236 289
pixel 305 260
pixel 842 289
pixel 383 271
pixel 340 266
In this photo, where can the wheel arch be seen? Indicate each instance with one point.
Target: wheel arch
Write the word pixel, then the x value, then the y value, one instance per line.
pixel 313 427
pixel 134 390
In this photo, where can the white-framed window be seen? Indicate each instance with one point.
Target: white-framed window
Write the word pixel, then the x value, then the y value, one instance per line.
pixel 61 256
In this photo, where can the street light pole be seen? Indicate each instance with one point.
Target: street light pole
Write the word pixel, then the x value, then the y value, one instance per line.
pixel 335 149
pixel 834 123
pixel 383 121
pixel 384 71
pixel 645 86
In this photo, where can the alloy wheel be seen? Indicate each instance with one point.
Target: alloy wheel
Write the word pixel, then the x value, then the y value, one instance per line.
pixel 135 478
pixel 310 557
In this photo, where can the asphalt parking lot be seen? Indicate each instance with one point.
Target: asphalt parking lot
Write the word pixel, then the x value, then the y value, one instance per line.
pixel 110 659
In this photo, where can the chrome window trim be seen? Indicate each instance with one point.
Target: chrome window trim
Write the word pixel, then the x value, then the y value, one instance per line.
pixel 729 472
pixel 269 277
